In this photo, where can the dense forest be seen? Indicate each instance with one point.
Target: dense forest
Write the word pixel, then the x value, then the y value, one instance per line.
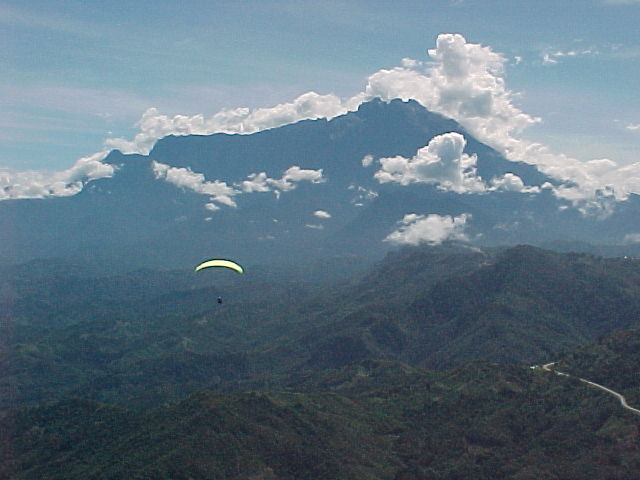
pixel 417 367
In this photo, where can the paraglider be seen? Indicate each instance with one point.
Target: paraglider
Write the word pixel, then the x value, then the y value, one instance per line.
pixel 220 263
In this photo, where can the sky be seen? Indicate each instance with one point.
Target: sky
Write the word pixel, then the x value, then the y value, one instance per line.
pixel 79 78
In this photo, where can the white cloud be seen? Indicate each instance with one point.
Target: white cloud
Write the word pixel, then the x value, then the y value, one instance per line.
pixel 552 57
pixel 154 126
pixel 634 127
pixel 632 238
pixel 322 214
pixel 511 182
pixel 367 161
pixel 257 182
pixel 315 226
pixel 39 184
pixel 362 195
pixel 433 229
pixel 221 193
pixel 294 175
pixel 465 82
pixel 260 182
pixel 218 191
pixel 441 162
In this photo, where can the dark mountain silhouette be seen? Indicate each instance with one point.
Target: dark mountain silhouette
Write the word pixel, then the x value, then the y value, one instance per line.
pixel 135 219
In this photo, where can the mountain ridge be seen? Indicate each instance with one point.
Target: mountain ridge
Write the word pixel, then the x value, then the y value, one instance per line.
pixel 136 219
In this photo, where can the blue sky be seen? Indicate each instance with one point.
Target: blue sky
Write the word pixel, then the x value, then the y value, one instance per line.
pixel 75 73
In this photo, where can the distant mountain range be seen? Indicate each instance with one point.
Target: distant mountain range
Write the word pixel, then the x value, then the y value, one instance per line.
pixel 301 192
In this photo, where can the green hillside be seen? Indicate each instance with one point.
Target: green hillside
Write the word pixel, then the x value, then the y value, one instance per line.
pixel 156 337
pixel 375 420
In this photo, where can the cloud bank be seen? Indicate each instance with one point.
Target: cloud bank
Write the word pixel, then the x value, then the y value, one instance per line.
pixel 154 126
pixel 38 184
pixel 432 229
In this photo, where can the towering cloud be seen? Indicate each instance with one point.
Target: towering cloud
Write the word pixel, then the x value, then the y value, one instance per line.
pixel 465 82
pixel 441 162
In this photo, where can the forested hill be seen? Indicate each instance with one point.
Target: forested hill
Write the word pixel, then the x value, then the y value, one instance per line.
pixel 102 378
pixel 611 361
pixel 153 337
pixel 376 420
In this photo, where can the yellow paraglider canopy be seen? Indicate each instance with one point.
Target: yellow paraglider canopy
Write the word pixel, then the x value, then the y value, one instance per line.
pixel 219 262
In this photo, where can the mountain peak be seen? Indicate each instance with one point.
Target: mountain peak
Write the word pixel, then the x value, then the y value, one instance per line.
pixel 297 192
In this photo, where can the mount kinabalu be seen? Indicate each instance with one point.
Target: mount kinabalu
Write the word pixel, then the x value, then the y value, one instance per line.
pixel 136 216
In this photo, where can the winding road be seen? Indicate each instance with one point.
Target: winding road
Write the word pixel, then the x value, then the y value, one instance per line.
pixel 547 368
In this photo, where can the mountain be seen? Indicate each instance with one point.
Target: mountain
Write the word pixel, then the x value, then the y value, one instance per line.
pixel 441 309
pixel 612 361
pixel 139 219
pixel 374 420
pixel 150 337
pixel 142 375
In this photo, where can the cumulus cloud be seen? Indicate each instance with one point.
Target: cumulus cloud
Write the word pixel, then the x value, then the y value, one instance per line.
pixel 461 80
pixel 322 214
pixel 294 175
pixel 221 193
pixel 367 161
pixel 260 182
pixel 465 82
pixel 634 127
pixel 432 229
pixel 39 184
pixel 442 162
pixel 361 195
pixel 510 182
pixel 218 191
